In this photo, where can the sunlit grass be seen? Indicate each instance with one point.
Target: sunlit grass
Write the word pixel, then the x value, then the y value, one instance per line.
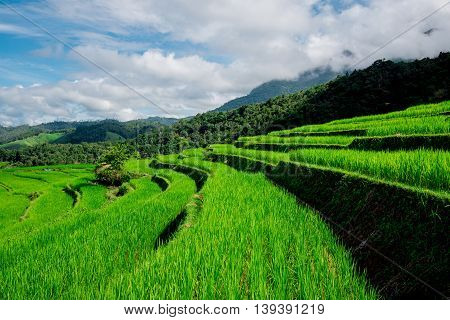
pixel 415 111
pixel 334 140
pixel 74 257
pixel 429 169
pixel 423 119
pixel 248 240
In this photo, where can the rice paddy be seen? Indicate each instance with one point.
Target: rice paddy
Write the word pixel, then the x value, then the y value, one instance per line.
pixel 246 239
pixel 238 236
pixel 425 119
pixel 335 140
pixel 73 257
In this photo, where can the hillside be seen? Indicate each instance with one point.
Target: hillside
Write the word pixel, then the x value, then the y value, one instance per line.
pixel 275 88
pixel 83 131
pixel 365 176
pixel 366 182
pixel 32 141
pixel 383 87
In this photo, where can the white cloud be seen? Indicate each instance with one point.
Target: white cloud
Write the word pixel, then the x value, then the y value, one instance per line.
pixel 14 29
pixel 262 39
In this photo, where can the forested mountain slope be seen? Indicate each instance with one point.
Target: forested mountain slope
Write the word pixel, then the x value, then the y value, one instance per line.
pixel 86 131
pixel 275 88
pixel 383 87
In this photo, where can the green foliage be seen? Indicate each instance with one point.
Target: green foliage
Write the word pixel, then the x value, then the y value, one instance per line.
pixel 334 140
pixel 111 177
pixel 115 157
pixel 411 112
pixel 266 156
pixel 111 169
pixel 33 198
pixel 423 168
pixel 52 154
pixel 403 125
pixel 32 141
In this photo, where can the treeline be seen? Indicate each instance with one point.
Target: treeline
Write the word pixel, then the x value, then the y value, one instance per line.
pixel 87 131
pixel 48 154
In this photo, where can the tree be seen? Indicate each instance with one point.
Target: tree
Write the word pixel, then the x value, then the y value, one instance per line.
pixel 111 169
pixel 115 157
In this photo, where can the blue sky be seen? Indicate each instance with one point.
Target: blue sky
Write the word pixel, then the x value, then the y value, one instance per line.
pixel 23 60
pixel 187 56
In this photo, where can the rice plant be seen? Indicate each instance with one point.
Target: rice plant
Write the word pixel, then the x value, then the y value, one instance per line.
pixel 74 257
pixel 429 169
pixel 330 140
pixel 423 125
pixel 246 239
pixel 411 112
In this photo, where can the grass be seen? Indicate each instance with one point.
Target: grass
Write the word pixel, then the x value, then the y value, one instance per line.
pixel 32 141
pixel 247 239
pixel 422 119
pixel 428 169
pixel 33 198
pixel 198 152
pixel 12 206
pixel 242 238
pixel 425 169
pixel 267 156
pixel 76 257
pixel 416 111
pixel 404 126
pixel 334 140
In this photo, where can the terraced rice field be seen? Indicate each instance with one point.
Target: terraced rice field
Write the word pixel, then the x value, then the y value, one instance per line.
pixel 351 176
pixel 95 242
pixel 248 240
pixel 106 249
pixel 237 234
pixel 425 119
pixel 420 165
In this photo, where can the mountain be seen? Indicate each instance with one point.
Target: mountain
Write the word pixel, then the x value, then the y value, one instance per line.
pixel 112 130
pixel 82 131
pixel 275 88
pixel 383 87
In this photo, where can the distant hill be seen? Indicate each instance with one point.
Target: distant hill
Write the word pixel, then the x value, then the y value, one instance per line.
pixel 113 130
pixel 32 141
pixel 78 132
pixel 275 88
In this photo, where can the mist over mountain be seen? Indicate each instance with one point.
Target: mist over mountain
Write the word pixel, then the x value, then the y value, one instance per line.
pixel 275 88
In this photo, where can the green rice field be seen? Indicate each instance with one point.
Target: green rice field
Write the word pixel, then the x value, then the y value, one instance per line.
pixel 238 236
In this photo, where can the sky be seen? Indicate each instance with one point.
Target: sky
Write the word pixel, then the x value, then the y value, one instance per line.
pixel 74 60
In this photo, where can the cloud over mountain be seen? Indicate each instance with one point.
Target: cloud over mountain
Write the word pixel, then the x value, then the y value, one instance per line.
pixel 192 56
